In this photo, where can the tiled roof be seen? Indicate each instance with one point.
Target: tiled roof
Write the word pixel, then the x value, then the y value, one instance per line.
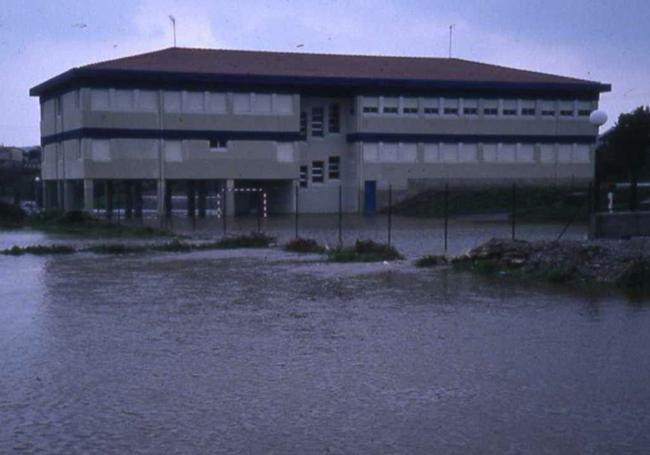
pixel 290 64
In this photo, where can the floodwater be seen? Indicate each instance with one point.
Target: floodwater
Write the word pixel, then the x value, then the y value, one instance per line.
pixel 261 351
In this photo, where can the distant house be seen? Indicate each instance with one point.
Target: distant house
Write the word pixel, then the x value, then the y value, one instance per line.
pixel 217 120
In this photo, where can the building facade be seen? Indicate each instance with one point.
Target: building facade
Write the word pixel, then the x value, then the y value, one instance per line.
pixel 215 121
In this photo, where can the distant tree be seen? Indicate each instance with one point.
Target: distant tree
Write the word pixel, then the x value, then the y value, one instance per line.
pixel 629 142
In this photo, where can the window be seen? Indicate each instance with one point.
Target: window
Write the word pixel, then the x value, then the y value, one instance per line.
pixel 193 102
pixel 334 167
pixel 449 152
pixel 99 99
pixel 584 108
pixel 390 105
pixel 283 104
pixel 370 105
pixel 528 108
pixel 370 152
pixel 303 125
pixel 409 106
pixel 470 107
pixel 451 107
pixel 507 152
pixel 241 102
pixel 262 103
pixel 566 108
pixel 317 122
pixel 431 153
pixel 407 153
pixel 548 108
pixel 215 103
pixel 334 118
pixel 218 145
pixel 584 112
pixel 388 152
pixel 123 100
pixel 526 153
pixel 509 108
pixel 173 151
pixel 490 152
pixel 172 102
pixel 581 153
pixel 547 153
pixel 317 172
pixel 147 100
pixel 431 106
pixel 491 111
pixel 303 176
pixel 564 153
pixel 468 152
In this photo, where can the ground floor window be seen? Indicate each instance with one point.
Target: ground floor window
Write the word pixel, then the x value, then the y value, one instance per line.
pixel 303 176
pixel 317 171
pixel 334 167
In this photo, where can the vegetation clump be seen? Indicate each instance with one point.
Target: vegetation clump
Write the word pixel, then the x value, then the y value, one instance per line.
pixel 11 216
pixel 252 240
pixel 300 245
pixel 116 248
pixel 81 223
pixel 365 251
pixel 431 261
pixel 636 276
pixel 39 250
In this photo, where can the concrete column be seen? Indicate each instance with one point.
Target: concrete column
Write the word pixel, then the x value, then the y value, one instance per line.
pixel 59 194
pixel 68 195
pixel 128 192
pixel 191 198
pixel 161 192
pixel 169 189
pixel 108 194
pixel 47 202
pixel 230 197
pixel 203 195
pixel 89 195
pixel 137 194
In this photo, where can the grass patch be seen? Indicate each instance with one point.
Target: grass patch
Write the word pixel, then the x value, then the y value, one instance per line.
pixel 300 245
pixel 81 223
pixel 252 240
pixel 431 261
pixel 533 203
pixel 11 216
pixel 365 251
pixel 116 248
pixel 39 250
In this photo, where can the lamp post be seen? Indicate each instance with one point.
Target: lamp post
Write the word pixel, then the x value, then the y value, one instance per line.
pixel 37 184
pixel 598 119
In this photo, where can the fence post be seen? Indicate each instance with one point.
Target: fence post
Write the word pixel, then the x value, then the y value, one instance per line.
pixel 446 213
pixel 340 216
pixel 297 209
pixel 390 212
pixel 259 208
pixel 514 209
pixel 223 203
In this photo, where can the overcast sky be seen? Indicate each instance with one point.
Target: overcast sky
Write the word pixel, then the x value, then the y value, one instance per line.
pixel 601 40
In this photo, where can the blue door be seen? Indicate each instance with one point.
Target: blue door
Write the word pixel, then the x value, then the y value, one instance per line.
pixel 370 197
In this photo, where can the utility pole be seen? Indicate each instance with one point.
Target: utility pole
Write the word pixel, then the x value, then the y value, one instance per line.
pixel 451 32
pixel 173 19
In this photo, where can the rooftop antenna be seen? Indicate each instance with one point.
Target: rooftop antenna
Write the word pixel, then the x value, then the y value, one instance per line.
pixel 173 19
pixel 451 32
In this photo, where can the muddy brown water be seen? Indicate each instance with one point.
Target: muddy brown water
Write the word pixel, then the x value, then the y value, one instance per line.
pixel 261 351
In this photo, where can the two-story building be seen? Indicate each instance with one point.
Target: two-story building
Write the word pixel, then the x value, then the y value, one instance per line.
pixel 208 121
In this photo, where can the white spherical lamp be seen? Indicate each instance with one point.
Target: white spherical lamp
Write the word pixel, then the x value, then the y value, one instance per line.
pixel 598 118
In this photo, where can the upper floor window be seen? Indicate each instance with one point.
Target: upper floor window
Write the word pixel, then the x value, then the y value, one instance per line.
pixel 548 108
pixel 410 106
pixel 431 106
pixel 390 105
pixel 451 107
pixel 334 123
pixel 370 105
pixel 566 108
pixel 470 107
pixel 303 125
pixel 218 145
pixel 317 117
pixel 334 167
pixel 528 108
pixel 303 176
pixel 509 107
pixel 317 172
pixel 584 108
pixel 283 104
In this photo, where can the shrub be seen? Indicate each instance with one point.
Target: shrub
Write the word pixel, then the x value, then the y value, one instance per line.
pixel 252 240
pixel 365 251
pixel 11 215
pixel 300 245
pixel 39 250
pixel 116 248
pixel 636 276
pixel 431 261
